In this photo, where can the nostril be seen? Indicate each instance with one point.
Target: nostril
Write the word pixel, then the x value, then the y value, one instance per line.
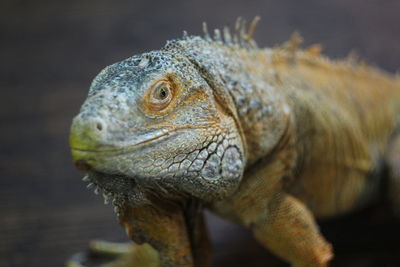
pixel 99 126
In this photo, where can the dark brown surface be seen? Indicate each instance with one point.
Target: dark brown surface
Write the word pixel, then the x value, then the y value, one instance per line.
pixel 50 51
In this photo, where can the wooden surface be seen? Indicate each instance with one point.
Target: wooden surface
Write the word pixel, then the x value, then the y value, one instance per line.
pixel 50 51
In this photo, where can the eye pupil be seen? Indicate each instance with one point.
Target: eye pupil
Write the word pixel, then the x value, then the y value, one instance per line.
pixel 163 93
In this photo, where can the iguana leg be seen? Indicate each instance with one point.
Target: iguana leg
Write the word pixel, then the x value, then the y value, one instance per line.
pixel 201 246
pixel 393 162
pixel 290 232
pixel 160 233
pixel 168 236
pixel 164 228
pixel 131 254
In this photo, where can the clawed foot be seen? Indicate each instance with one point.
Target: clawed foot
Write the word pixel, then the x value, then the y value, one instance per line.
pixel 111 254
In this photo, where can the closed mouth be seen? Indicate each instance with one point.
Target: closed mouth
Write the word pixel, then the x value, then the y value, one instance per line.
pixel 113 151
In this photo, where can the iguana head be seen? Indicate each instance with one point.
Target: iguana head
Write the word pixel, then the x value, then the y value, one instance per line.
pixel 158 123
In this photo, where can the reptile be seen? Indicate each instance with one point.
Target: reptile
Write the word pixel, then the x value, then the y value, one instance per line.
pixel 269 138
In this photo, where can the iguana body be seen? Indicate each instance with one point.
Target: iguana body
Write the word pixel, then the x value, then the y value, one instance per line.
pixel 268 138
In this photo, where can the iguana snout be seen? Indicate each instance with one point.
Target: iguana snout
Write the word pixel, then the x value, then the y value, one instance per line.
pixel 86 138
pixel 87 133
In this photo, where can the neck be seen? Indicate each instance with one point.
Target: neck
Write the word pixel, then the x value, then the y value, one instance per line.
pixel 264 117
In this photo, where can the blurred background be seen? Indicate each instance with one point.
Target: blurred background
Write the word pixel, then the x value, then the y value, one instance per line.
pixel 50 51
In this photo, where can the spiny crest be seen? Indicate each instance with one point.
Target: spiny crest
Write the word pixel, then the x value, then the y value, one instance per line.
pixel 292 46
pixel 107 195
pixel 241 36
pixel 353 58
pixel 357 64
pixel 314 50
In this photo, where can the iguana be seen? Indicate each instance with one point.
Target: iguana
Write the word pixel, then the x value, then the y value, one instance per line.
pixel 268 138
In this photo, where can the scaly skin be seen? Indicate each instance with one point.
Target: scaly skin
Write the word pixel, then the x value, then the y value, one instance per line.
pixel 268 138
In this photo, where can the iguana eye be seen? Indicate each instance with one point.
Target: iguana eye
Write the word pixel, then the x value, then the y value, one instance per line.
pixel 160 95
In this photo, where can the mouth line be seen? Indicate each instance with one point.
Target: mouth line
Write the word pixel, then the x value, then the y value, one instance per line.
pixel 126 148
pixel 91 154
